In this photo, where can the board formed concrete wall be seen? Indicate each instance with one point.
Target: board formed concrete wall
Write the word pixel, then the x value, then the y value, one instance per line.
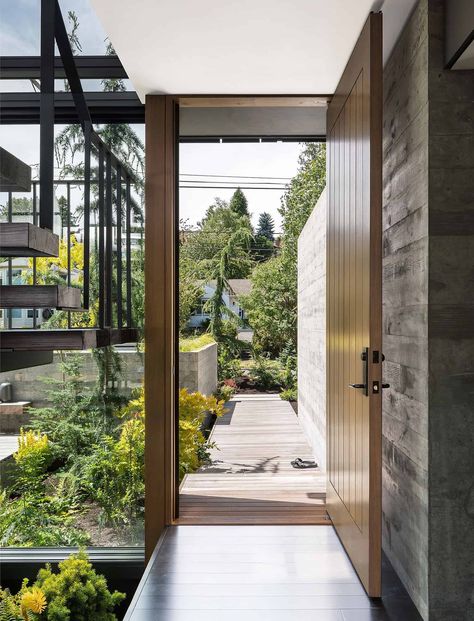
pixel 428 296
pixel 28 384
pixel 198 369
pixel 405 308
pixel 312 330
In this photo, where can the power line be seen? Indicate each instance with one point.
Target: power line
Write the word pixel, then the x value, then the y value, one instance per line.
pixel 232 182
pixel 228 187
pixel 233 176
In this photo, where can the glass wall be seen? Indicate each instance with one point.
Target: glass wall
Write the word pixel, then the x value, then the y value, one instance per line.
pixel 72 430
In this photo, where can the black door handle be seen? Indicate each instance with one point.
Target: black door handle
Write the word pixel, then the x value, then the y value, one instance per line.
pixel 365 360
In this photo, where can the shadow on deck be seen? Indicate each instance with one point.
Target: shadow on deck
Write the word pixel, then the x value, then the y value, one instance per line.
pixel 250 479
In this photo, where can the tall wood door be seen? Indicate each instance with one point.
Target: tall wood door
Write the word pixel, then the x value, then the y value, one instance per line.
pixel 354 301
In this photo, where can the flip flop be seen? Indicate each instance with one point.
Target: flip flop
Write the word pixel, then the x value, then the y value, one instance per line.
pixel 303 463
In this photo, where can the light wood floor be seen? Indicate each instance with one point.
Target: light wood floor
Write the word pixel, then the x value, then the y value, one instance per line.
pixel 259 573
pixel 250 479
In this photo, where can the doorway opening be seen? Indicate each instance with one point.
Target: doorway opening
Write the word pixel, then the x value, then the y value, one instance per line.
pixel 244 456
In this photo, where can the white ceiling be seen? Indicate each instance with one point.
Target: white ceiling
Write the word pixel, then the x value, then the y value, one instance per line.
pixel 241 46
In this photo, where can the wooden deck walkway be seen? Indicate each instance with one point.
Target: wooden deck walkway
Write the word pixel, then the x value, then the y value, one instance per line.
pixel 250 479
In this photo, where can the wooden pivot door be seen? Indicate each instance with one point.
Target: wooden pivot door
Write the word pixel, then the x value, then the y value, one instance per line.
pixel 354 306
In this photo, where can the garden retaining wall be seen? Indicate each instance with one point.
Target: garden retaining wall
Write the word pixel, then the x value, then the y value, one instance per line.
pixel 198 369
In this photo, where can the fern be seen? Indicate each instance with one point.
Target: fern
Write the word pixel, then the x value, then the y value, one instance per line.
pixel 9 610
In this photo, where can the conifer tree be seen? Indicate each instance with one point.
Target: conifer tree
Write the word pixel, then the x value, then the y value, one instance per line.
pixel 266 226
pixel 238 203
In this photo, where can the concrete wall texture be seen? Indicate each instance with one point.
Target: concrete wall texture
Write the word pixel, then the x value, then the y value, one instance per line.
pixel 198 369
pixel 312 330
pixel 428 297
pixel 28 384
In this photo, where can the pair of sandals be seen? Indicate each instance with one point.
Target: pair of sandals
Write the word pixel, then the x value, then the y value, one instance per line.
pixel 303 463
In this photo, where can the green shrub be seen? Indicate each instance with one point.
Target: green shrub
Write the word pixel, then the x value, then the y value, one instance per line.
pixel 78 416
pixel 225 390
pixel 289 394
pixel 228 366
pixel 33 458
pixel 114 475
pixel 36 520
pixel 193 343
pixel 193 446
pixel 76 592
pixel 266 373
pixel 289 362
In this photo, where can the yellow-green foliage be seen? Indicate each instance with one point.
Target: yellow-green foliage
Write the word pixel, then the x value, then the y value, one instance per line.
pixel 47 267
pixel 24 606
pixel 192 443
pixel 115 477
pixel 76 592
pixel 32 458
pixel 196 342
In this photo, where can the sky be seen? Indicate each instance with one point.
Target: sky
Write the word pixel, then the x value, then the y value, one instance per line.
pixel 19 35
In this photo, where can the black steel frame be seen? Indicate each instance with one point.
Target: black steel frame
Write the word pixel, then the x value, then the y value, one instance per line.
pixel 110 170
pixel 120 107
pixel 110 278
pixel 88 67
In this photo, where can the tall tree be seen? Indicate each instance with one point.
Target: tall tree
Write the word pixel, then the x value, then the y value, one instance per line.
pixel 238 203
pixel 204 247
pixel 222 273
pixel 266 226
pixel 271 307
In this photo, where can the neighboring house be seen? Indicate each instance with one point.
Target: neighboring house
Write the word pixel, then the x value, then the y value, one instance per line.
pixel 20 317
pixel 17 318
pixel 231 296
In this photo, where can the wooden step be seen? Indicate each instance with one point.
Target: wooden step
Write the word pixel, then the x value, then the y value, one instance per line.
pixel 40 296
pixel 72 339
pixel 23 239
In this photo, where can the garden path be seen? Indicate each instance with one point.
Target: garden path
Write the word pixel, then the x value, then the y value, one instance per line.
pixel 250 479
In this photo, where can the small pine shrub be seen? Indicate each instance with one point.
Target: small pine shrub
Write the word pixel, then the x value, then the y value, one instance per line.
pixel 76 592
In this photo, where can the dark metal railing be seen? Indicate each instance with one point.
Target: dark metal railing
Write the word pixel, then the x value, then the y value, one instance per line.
pixel 112 185
pixel 107 236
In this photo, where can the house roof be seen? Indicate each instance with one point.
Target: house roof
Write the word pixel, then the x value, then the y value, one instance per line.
pixel 240 286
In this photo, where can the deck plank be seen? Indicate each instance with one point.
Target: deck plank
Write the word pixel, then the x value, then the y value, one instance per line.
pixel 250 479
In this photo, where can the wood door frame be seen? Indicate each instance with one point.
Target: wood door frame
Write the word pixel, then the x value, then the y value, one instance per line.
pixel 370 40
pixel 161 347
pixel 160 316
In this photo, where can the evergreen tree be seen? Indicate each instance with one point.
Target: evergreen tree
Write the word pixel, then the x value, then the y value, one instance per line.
pixel 238 203
pixel 266 226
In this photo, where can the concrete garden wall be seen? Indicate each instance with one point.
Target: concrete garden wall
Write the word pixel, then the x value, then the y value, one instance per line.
pixel 28 384
pixel 312 330
pixel 198 369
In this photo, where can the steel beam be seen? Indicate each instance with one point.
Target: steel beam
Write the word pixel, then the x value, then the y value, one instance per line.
pixel 120 107
pixel 88 67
